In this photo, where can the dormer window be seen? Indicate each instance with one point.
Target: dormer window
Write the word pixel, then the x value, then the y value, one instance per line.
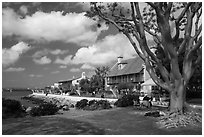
pixel 121 65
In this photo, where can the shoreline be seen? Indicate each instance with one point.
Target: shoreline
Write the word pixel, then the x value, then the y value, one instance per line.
pixel 72 99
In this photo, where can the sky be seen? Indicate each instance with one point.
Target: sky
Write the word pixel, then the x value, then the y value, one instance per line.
pixel 44 42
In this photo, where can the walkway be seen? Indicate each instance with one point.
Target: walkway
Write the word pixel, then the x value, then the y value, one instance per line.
pixel 73 98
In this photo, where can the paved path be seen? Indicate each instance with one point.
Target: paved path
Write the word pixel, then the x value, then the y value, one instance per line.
pixel 73 98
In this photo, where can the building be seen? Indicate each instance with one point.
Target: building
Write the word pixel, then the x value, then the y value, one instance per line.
pixel 76 81
pixel 130 71
pixel 65 86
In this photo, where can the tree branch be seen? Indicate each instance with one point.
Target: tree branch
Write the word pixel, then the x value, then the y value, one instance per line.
pixel 168 10
pixel 152 5
pixel 154 77
pixel 199 58
pixel 107 19
pixel 177 21
pixel 142 34
pixel 183 12
pixel 134 15
pixel 182 46
pixel 122 18
pixel 134 45
pixel 152 33
pixel 197 45
pixel 197 33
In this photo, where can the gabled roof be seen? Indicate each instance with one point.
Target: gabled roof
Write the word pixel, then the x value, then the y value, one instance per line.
pixel 134 65
pixel 69 80
pixel 148 82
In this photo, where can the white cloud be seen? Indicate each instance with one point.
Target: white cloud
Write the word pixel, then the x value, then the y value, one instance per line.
pixel 58 52
pixel 11 55
pixel 101 53
pixel 53 26
pixel 62 66
pixel 87 66
pixel 23 9
pixel 66 61
pixel 43 60
pixel 55 72
pixel 74 70
pixel 104 51
pixel 14 69
pixel 39 54
pixel 35 75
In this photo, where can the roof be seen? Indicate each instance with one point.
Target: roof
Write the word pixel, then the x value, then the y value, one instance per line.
pixel 148 82
pixel 133 65
pixel 69 80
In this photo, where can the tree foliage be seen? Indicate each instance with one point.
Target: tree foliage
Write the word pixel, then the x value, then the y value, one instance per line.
pixel 85 85
pixel 176 30
pixel 98 80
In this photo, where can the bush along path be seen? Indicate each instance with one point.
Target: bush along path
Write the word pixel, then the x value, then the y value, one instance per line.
pixel 12 109
pixel 92 104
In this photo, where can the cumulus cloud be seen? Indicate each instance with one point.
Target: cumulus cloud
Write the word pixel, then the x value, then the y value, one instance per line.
pixel 62 66
pixel 35 75
pixel 101 53
pixel 104 51
pixel 11 55
pixel 43 60
pixel 23 9
pixel 66 61
pixel 58 52
pixel 53 26
pixel 55 72
pixel 40 57
pixel 87 66
pixel 74 70
pixel 11 69
pixel 45 52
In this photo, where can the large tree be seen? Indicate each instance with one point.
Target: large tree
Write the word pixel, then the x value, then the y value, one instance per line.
pixel 176 28
pixel 85 85
pixel 98 80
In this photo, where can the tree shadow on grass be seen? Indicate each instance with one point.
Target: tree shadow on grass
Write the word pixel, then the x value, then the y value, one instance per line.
pixel 48 126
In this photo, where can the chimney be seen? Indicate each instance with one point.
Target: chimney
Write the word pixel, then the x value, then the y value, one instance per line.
pixel 120 59
pixel 119 62
pixel 83 75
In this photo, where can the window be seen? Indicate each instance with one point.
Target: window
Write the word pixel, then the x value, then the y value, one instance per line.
pixel 155 88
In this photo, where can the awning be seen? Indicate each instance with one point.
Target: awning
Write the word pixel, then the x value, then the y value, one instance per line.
pixel 148 82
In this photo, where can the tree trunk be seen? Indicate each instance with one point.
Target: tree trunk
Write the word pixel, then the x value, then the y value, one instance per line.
pixel 177 97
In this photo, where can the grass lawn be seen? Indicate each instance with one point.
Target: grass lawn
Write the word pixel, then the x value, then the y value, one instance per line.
pixel 48 126
pixel 116 121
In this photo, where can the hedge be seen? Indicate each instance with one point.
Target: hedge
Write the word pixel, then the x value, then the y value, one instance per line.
pixel 126 100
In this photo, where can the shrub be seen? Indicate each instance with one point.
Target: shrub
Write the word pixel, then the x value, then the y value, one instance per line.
pixel 44 109
pixel 34 100
pixel 104 104
pixel 81 104
pixel 126 100
pixel 12 108
pixel 93 104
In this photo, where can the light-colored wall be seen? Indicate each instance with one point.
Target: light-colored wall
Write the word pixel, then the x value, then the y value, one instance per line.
pixel 76 81
pixel 146 74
